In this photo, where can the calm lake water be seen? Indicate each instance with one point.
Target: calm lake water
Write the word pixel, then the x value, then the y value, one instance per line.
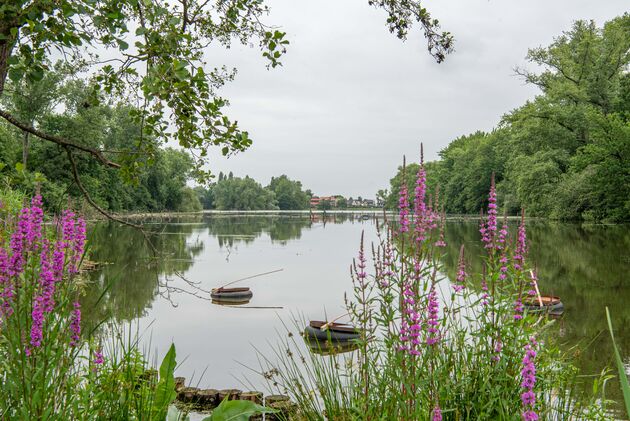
pixel 587 265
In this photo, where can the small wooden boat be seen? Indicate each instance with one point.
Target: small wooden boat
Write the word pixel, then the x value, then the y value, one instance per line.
pixel 336 332
pixel 550 304
pixel 365 216
pixel 239 295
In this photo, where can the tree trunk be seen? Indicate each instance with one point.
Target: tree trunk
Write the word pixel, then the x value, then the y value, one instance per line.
pixel 25 149
pixel 6 47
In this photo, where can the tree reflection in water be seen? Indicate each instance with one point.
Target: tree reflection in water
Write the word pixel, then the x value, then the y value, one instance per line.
pixel 586 265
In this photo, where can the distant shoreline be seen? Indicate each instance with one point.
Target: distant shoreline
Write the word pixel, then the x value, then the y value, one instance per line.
pixel 302 213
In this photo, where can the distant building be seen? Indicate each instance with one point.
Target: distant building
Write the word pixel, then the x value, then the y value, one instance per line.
pixel 316 200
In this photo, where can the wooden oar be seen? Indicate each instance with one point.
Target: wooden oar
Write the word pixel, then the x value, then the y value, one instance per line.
pixel 327 324
pixel 249 277
pixel 531 272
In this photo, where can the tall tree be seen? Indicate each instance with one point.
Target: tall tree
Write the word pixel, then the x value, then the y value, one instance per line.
pixel 288 193
pixel 154 56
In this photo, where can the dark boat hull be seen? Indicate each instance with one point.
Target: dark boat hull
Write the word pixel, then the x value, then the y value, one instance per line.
pixel 231 294
pixel 335 333
pixel 551 305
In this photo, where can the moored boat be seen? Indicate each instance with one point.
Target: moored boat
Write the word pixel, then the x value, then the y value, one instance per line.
pixel 240 295
pixel 550 304
pixel 337 332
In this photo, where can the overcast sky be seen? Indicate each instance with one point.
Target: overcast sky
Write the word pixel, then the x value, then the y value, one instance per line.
pixel 351 99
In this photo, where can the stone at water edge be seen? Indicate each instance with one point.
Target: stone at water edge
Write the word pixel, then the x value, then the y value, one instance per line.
pixel 208 397
pixel 187 394
pixel 275 398
pixel 256 397
pixel 232 394
pixel 180 383
pixel 286 410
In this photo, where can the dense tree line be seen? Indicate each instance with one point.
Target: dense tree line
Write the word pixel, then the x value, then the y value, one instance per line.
pixel 235 193
pixel 60 105
pixel 566 153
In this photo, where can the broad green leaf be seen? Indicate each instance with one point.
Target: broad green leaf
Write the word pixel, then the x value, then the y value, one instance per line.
pixel 165 389
pixel 623 378
pixel 237 411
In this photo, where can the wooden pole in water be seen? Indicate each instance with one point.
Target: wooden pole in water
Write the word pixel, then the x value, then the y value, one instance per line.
pixel 327 324
pixel 531 272
pixel 250 277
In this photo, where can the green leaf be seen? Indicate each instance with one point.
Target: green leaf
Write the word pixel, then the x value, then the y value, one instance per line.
pixel 165 389
pixel 122 44
pixel 237 411
pixel 623 378
pixel 15 74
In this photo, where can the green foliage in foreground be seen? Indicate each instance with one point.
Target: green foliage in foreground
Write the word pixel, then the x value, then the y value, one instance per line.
pixel 433 350
pixel 50 370
pixel 623 377
pixel 563 155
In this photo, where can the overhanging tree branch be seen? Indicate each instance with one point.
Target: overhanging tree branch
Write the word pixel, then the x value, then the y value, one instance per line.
pixel 57 139
pixel 86 194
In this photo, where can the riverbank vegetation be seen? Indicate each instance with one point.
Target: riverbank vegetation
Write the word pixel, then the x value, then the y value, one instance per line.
pixel 51 367
pixel 563 155
pixel 437 350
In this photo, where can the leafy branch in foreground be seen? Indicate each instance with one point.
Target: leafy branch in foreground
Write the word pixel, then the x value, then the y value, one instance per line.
pixel 152 54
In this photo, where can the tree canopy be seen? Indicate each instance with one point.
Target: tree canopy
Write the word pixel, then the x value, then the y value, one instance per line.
pixel 566 153
pixel 147 57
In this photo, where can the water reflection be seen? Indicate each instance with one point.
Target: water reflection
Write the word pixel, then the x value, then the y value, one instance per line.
pixel 586 265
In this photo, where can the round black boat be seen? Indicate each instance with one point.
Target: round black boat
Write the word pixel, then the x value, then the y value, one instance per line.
pixel 233 295
pixel 335 332
pixel 550 304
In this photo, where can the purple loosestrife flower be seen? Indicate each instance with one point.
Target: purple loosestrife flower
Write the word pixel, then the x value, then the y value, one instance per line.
pixel 34 234
pixel 361 273
pixel 37 326
pixel 433 307
pixel 403 209
pixel 420 207
pixel 6 286
pixel 98 359
pixel 75 325
pixel 521 245
pixel 16 244
pixel 441 242
pixel 489 229
pixel 460 285
pixel 78 244
pixel 498 347
pixel 388 263
pixel 67 226
pixel 437 414
pixel 484 295
pixel 410 323
pixel 504 268
pixel 58 261
pixel 518 309
pixel 528 381
pixel 46 279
